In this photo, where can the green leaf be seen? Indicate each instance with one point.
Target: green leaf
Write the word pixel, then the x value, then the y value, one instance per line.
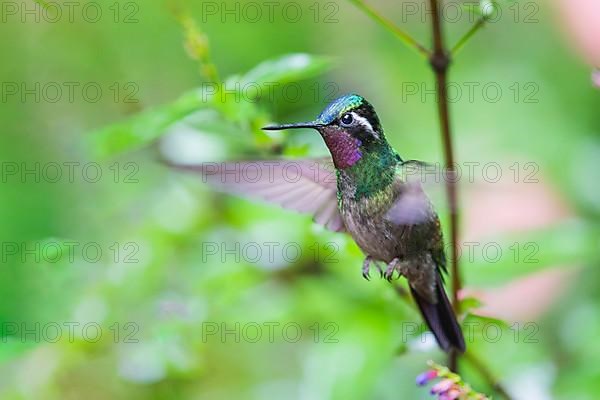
pixel 289 68
pixel 469 303
pixel 145 127
pixel 138 131
pixel 480 322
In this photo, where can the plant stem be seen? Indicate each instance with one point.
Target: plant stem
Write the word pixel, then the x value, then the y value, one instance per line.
pixel 196 43
pixel 440 62
pixel 487 375
pixel 389 25
pixel 465 38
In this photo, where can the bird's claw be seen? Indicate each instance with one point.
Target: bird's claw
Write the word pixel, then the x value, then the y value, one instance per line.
pixel 366 267
pixel 392 267
pixel 388 275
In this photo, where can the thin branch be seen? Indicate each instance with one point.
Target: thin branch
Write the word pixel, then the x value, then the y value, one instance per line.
pixel 389 25
pixel 467 36
pixel 487 375
pixel 440 62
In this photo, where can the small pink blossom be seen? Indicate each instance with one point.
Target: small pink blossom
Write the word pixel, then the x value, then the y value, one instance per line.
pixel 442 386
pixel 452 394
pixel 426 377
pixel 450 386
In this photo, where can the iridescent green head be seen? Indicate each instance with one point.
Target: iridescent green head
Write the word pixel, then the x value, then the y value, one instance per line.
pixel 349 126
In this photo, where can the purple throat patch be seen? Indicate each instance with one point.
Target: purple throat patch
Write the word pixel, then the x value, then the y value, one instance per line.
pixel 345 149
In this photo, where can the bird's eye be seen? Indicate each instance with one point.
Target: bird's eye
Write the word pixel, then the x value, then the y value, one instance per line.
pixel 347 119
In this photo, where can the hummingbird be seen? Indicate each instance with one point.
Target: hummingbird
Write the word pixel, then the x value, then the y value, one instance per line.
pixel 368 193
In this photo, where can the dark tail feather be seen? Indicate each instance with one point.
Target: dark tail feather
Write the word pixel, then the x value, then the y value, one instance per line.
pixel 441 319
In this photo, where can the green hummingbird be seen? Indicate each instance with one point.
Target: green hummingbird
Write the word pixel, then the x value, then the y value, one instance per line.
pixel 368 194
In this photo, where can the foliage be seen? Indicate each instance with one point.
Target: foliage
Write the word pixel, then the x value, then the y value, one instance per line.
pixel 359 340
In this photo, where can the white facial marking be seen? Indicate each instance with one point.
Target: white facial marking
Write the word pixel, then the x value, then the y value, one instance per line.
pixel 365 123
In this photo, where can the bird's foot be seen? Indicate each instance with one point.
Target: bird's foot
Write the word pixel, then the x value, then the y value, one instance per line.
pixel 394 265
pixel 366 267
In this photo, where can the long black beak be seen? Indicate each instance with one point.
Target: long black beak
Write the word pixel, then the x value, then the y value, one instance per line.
pixel 312 125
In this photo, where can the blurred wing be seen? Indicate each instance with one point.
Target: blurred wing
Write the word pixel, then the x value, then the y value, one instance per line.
pixel 412 205
pixel 417 181
pixel 307 186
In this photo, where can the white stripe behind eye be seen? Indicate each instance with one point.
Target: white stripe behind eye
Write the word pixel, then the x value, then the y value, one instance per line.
pixel 365 122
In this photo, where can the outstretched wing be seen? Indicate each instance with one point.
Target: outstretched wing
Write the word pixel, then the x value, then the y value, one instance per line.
pixel 307 185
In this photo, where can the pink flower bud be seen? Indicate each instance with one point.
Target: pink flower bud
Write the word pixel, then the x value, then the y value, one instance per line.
pixel 452 394
pixel 442 386
pixel 426 377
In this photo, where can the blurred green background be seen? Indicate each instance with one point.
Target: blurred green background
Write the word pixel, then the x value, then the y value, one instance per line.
pixel 143 311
